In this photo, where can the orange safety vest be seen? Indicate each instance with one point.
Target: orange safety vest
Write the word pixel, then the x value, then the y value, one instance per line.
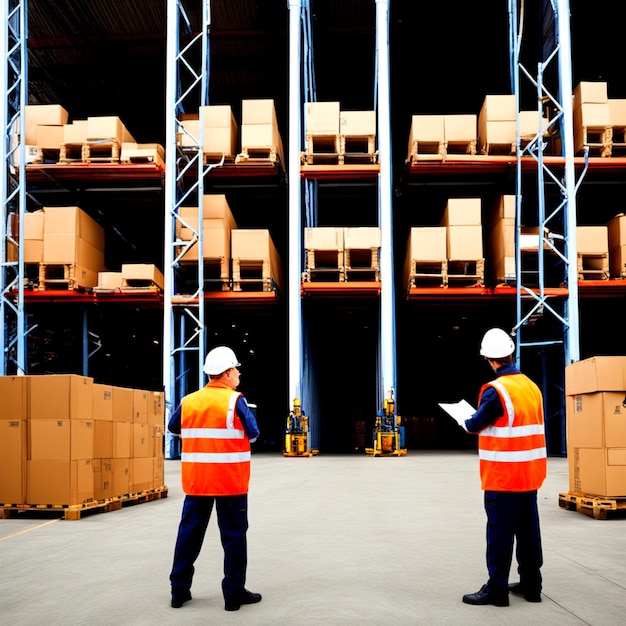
pixel 215 459
pixel 512 451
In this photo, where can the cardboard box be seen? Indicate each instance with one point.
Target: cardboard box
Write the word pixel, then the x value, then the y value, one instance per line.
pixel 122 437
pixel 189 132
pixel 102 479
pixel 530 125
pixel 158 472
pixel 60 396
pixel 72 220
pixel 460 127
pixel 617 109
pixel 592 116
pixel 322 118
pixel 60 440
pixel 123 399
pixel 498 108
pixel 361 238
pixel 617 231
pixel 427 129
pixel 158 440
pixel 141 440
pixel 427 243
pixel 590 92
pixel 13 434
pixel 121 476
pixel 357 123
pixel 60 482
pixel 140 406
pixel 34 225
pixel 49 137
pixel 258 111
pixel 143 272
pixel 75 133
pixel 141 474
pixel 462 212
pixel 110 280
pixel 465 243
pixel 596 420
pixel 494 133
pixel 592 240
pixel 215 241
pixel 102 439
pixel 323 238
pixel 597 373
pixel 218 116
pixel 617 262
pixel 262 136
pixel 14 394
pixel 33 251
pixel 36 114
pixel 256 245
pixel 107 127
pixel 72 250
pixel 598 471
pixel 156 408
pixel 219 141
pixel 214 205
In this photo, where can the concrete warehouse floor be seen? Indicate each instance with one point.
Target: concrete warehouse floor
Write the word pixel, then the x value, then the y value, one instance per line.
pixel 332 540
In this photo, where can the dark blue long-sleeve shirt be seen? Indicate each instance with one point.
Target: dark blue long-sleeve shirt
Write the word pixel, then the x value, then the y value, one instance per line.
pixel 244 413
pixel 490 407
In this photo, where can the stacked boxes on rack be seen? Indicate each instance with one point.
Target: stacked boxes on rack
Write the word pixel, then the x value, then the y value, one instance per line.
pixel 425 259
pixel 220 130
pixel 617 246
pixel 255 260
pixel 592 117
pixel 595 390
pixel 357 133
pixel 67 440
pixel 501 241
pixel 497 126
pixel 321 123
pixel 463 223
pixel 441 135
pixel 592 244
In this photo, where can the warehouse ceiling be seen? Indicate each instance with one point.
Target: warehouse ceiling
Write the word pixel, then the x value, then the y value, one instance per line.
pixel 107 57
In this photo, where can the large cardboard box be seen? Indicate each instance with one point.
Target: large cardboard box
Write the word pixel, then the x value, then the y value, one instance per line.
pixel 123 399
pixel 425 129
pixel 110 281
pixel 255 245
pixel 142 272
pixel 13 435
pixel 501 239
pixel 102 439
pixel 72 220
pixel 214 205
pixel 596 373
pixel 158 472
pixel 322 118
pixel 49 137
pixel 60 482
pixel 323 238
pixel 598 471
pixel 460 127
pixel 258 111
pixel 141 474
pixel 427 243
pixel 590 92
pixel 462 212
pixel 262 136
pixel 617 231
pixel 592 240
pixel 156 408
pixel 141 440
pixel 496 133
pixel 60 396
pixel 140 406
pixel 60 440
pixel 592 116
pixel 36 114
pixel 617 109
pixel 158 439
pixel 14 394
pixel 107 127
pixel 75 133
pixel 357 123
pixel 122 440
pixel 465 243
pixel 617 261
pixel 498 108
pixel 121 476
pixel 218 116
pixel 361 237
pixel 72 250
pixel 102 479
pixel 596 420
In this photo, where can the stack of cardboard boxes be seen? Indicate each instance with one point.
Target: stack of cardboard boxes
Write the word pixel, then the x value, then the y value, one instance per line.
pixel 68 440
pixel 592 117
pixel 617 246
pixel 595 391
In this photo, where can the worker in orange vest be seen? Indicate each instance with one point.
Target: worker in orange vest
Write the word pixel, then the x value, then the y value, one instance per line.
pixel 216 427
pixel 512 454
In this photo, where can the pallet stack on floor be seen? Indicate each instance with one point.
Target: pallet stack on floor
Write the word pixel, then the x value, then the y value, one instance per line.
pixel 71 443
pixel 595 391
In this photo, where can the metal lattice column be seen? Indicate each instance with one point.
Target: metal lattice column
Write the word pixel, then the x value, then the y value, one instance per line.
pixel 14 82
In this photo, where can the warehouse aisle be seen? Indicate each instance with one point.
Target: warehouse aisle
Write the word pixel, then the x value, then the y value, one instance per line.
pixel 334 539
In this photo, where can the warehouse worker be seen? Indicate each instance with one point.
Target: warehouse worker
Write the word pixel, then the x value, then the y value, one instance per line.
pixel 216 427
pixel 512 452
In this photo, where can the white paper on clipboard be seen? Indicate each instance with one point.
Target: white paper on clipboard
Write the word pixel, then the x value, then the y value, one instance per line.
pixel 459 411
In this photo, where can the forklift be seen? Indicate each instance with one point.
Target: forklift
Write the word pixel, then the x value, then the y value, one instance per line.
pixel 297 435
pixel 387 438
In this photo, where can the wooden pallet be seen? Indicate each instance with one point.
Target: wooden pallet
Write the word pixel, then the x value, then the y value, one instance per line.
pixel 59 276
pixel 427 273
pixel 460 147
pixel 250 275
pixel 593 266
pixel 597 140
pixel 263 155
pixel 594 506
pixel 216 275
pixel 420 148
pixel 100 151
pixel 45 155
pixel 75 511
pixel 362 264
pixel 324 265
pixel 322 150
pixel 469 273
pixel 499 149
pixel 139 285
pixel 214 158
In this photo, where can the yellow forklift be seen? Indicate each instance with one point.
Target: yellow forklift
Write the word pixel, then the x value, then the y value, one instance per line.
pixel 387 432
pixel 297 435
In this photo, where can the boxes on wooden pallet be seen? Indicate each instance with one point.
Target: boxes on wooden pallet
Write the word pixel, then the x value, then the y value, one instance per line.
pixel 259 128
pixel 460 130
pixel 497 122
pixel 322 118
pixel 597 471
pixel 13 434
pixel 141 274
pixel 220 130
pixel 142 153
pixel 617 245
pixel 462 219
pixel 60 482
pixel 501 242
pixel 249 247
pixel 592 117
pixel 426 245
pixel 462 212
pixel 427 130
pixel 42 114
pixel 107 128
pixel 592 240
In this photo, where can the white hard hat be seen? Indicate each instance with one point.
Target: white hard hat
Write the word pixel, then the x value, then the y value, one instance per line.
pixel 219 360
pixel 496 344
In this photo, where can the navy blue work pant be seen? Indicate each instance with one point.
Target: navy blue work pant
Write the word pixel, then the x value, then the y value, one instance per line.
pixel 232 520
pixel 513 517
